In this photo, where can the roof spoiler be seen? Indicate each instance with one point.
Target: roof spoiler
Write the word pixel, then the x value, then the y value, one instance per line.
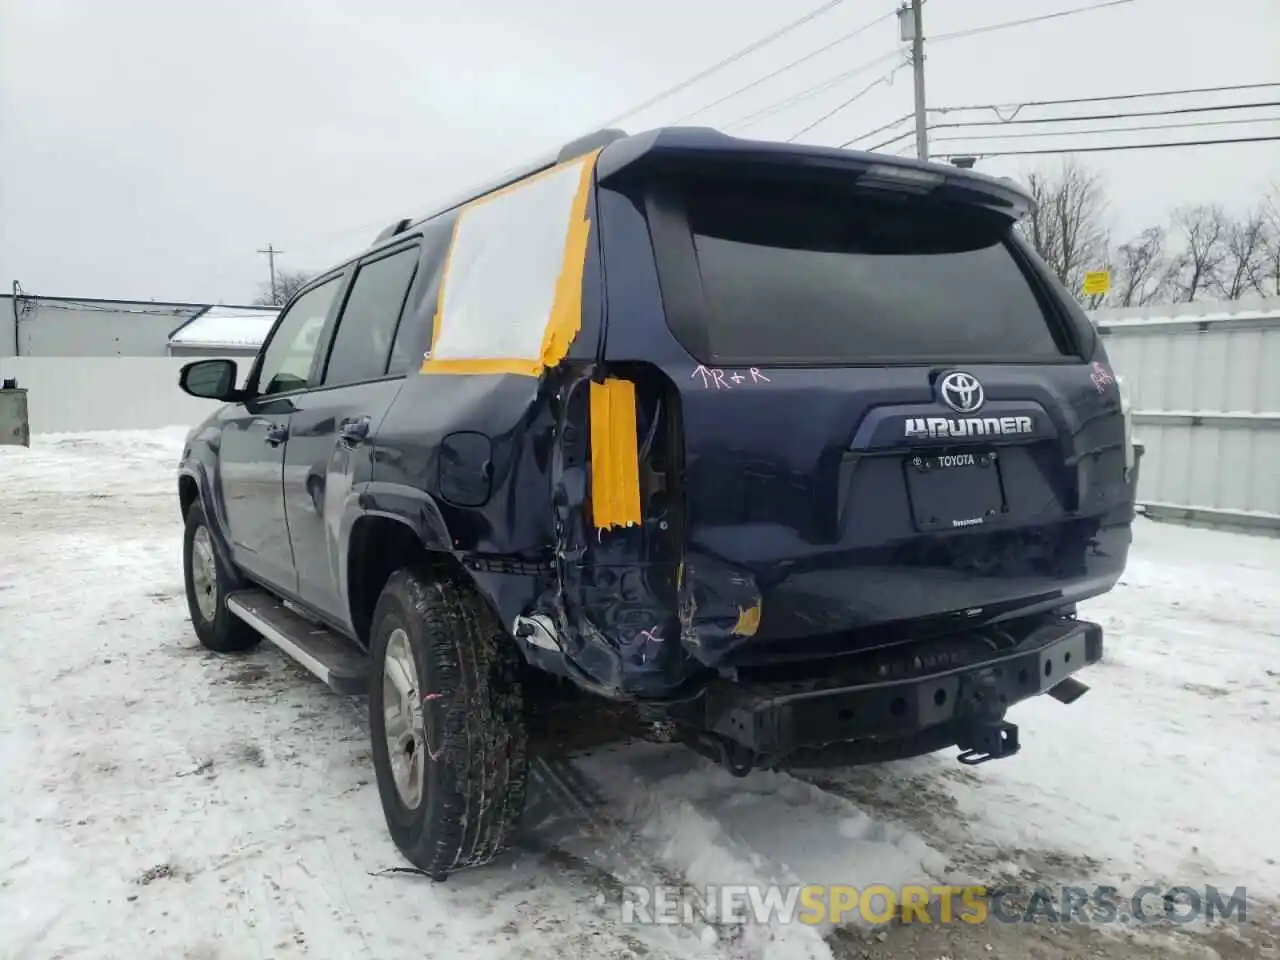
pixel 591 141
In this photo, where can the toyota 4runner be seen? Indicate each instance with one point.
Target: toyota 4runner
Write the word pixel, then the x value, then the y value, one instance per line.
pixel 801 450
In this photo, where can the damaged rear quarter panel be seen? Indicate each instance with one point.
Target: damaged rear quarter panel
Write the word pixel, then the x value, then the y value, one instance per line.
pixel 514 522
pixel 517 415
pixel 640 615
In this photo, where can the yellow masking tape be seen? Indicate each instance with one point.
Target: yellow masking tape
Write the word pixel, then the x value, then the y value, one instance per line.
pixel 615 455
pixel 748 621
pixel 566 313
pixel 565 319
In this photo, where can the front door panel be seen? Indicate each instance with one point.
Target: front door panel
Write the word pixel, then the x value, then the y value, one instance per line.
pixel 250 465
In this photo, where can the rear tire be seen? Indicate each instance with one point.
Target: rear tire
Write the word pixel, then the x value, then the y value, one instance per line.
pixel 208 583
pixel 445 680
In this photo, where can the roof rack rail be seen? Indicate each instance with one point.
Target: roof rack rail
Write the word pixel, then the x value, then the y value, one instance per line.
pixel 574 148
pixel 400 226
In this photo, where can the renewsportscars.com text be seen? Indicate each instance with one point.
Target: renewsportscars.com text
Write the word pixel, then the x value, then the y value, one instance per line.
pixel 934 904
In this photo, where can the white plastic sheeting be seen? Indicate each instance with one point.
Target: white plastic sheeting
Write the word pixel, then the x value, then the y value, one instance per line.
pixel 510 299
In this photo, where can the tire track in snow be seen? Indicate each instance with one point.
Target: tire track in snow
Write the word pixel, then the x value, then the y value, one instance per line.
pixel 677 821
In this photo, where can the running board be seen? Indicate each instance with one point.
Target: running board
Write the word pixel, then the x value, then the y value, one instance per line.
pixel 335 660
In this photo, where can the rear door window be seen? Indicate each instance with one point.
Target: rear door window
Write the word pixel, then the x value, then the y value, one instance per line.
pixel 367 327
pixel 802 273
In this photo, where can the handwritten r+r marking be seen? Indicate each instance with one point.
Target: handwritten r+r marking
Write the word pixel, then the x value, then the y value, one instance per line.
pixel 1101 377
pixel 716 378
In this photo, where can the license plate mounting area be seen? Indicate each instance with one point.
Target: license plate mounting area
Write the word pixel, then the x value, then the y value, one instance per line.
pixel 954 490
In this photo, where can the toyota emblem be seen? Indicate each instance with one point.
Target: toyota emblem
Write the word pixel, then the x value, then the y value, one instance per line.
pixel 961 392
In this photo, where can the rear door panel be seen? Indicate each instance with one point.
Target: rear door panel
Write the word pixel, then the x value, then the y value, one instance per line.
pixel 323 476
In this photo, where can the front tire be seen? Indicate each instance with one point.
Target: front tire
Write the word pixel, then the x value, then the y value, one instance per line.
pixel 208 583
pixel 446 716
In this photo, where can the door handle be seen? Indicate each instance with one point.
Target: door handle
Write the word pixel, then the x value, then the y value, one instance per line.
pixel 353 430
pixel 277 433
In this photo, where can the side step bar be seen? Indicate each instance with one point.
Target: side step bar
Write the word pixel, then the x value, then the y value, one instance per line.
pixel 333 659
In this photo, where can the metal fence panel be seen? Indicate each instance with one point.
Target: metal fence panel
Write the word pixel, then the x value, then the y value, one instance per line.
pixel 1205 382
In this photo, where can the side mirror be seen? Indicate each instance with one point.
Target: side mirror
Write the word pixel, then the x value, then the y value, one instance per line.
pixel 210 379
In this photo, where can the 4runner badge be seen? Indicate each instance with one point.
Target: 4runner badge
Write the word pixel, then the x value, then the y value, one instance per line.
pixel 935 428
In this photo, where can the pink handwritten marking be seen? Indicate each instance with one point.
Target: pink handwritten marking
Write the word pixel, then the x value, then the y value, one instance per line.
pixel 652 635
pixel 757 376
pixel 1101 377
pixel 432 696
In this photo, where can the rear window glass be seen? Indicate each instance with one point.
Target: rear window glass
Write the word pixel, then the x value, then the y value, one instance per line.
pixel 801 273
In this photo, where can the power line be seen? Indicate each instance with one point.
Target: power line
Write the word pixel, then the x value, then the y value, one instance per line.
pixel 873 132
pixel 912 28
pixel 811 91
pixel 1081 117
pixel 1098 130
pixel 732 58
pixel 887 78
pixel 1102 149
pixel 1171 111
pixel 973 31
pixel 885 143
pixel 844 38
pixel 77 306
pixel 1228 88
pixel 1225 88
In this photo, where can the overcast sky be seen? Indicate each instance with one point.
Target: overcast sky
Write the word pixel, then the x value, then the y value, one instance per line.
pixel 148 148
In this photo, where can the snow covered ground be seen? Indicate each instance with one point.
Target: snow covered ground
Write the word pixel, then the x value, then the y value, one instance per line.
pixel 156 801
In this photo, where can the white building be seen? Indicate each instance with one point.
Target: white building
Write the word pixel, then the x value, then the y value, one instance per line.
pixel 40 326
pixel 223 332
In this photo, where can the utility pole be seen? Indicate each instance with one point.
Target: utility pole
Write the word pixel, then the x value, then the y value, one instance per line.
pixel 271 253
pixel 911 27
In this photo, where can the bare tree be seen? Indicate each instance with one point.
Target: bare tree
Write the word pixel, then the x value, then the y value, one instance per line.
pixel 288 282
pixel 1068 226
pixel 1142 269
pixel 1271 242
pixel 1199 265
pixel 1245 266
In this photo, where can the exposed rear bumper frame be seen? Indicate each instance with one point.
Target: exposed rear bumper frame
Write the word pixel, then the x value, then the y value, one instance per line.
pixel 770 722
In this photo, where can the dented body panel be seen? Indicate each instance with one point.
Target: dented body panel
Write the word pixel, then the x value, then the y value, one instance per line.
pixel 788 533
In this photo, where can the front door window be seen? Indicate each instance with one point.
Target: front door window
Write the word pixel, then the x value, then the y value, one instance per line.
pixel 288 360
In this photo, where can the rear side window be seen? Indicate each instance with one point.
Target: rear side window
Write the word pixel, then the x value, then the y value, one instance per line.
pixel 796 272
pixel 413 338
pixel 367 328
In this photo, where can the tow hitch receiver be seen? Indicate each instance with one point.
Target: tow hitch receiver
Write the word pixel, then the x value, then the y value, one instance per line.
pixel 987 741
pixel 982 733
pixel 887 705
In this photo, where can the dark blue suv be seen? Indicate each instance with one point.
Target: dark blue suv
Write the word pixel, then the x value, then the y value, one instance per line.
pixel 800 450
